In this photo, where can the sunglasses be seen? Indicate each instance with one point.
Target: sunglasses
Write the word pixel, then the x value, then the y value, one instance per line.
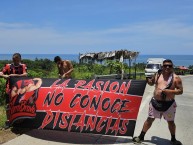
pixel 167 65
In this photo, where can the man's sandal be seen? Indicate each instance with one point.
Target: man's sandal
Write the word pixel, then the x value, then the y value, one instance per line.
pixel 137 139
pixel 176 142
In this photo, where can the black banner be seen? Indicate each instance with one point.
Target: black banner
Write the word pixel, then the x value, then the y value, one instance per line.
pixel 90 106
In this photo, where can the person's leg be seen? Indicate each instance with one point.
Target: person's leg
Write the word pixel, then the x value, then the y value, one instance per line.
pixel 147 124
pixel 169 116
pixel 7 108
pixel 172 129
pixel 152 114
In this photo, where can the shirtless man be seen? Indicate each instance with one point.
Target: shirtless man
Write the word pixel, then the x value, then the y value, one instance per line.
pixel 65 67
pixel 167 85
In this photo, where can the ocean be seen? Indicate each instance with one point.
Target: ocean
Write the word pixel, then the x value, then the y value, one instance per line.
pixel 178 60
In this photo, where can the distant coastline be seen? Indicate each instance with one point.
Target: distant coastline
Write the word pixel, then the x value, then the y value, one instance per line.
pixel 179 60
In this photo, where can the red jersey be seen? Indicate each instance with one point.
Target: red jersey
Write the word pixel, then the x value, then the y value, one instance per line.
pixel 12 69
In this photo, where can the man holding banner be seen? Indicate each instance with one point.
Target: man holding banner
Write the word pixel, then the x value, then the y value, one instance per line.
pixel 167 85
pixel 65 67
pixel 15 69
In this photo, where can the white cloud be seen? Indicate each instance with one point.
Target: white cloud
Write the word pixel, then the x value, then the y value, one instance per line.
pixel 147 36
pixel 14 25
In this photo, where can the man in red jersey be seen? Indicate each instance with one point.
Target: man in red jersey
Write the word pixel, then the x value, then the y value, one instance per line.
pixel 15 69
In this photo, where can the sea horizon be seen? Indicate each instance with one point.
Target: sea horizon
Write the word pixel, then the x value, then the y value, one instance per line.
pixel 178 60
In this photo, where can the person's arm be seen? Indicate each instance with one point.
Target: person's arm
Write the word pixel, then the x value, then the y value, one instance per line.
pixel 178 87
pixel 18 75
pixel 12 75
pixel 2 75
pixel 151 80
pixel 4 72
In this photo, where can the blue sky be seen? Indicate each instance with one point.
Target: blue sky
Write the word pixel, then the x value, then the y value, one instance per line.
pixel 82 26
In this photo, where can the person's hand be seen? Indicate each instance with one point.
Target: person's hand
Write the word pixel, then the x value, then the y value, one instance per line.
pixel 64 75
pixel 150 81
pixel 59 76
pixel 164 91
pixel 12 75
pixel 6 76
pixel 167 91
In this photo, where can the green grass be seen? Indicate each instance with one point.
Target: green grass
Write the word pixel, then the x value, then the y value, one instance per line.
pixel 2 116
